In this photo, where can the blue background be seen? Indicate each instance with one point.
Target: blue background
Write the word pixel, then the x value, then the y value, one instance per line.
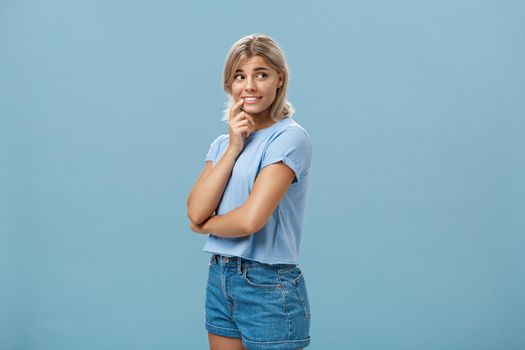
pixel 414 235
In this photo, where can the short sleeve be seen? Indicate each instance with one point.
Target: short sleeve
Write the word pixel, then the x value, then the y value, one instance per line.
pixel 292 147
pixel 214 148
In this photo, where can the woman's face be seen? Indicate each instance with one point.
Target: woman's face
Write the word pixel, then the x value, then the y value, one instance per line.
pixel 255 78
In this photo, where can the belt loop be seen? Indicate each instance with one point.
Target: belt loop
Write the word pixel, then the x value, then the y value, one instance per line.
pixel 239 265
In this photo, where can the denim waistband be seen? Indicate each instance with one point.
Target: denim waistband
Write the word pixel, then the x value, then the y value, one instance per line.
pixel 240 263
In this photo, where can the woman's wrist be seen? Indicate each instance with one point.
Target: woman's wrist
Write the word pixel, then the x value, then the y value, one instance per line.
pixel 232 153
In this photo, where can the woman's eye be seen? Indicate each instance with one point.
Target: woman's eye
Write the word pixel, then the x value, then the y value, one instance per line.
pixel 239 75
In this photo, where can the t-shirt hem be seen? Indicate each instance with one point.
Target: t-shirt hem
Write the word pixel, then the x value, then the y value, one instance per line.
pixel 289 162
pixel 265 261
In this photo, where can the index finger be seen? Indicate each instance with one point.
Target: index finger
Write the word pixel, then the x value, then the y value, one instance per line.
pixel 235 107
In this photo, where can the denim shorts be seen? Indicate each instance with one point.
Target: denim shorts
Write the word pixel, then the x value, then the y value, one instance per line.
pixel 265 305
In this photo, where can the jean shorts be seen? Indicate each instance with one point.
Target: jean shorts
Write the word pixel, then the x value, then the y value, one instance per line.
pixel 265 305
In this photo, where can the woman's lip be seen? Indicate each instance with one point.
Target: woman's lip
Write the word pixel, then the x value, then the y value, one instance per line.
pixel 251 102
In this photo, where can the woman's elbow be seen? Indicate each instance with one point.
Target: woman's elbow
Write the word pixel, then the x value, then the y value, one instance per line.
pixel 195 218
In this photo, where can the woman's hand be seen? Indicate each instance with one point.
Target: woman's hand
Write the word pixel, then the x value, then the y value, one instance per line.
pixel 240 126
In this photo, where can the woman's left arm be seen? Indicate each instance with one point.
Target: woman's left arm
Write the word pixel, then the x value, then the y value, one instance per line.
pixel 269 188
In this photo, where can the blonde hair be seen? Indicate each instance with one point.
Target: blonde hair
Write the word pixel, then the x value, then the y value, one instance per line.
pixel 264 46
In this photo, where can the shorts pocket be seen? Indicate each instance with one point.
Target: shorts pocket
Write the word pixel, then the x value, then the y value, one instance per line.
pixel 300 287
pixel 262 277
pixel 290 273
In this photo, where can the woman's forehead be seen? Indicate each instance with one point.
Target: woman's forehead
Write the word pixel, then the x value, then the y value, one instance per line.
pixel 252 63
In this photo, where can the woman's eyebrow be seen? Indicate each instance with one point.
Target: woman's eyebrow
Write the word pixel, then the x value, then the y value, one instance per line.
pixel 256 69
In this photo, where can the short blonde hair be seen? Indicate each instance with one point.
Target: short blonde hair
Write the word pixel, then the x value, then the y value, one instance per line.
pixel 264 46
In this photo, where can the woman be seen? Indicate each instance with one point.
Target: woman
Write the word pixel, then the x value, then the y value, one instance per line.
pixel 250 198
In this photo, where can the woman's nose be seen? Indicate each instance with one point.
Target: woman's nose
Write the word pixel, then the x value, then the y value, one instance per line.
pixel 250 84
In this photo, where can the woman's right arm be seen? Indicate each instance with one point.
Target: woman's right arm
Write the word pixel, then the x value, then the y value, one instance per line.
pixel 206 194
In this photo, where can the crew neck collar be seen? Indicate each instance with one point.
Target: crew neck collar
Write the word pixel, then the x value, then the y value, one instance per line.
pixel 268 127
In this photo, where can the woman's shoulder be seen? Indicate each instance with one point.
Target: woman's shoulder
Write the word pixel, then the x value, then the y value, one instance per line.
pixel 219 139
pixel 216 146
pixel 292 130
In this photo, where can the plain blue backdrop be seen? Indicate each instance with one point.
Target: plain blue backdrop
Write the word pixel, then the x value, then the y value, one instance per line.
pixel 414 234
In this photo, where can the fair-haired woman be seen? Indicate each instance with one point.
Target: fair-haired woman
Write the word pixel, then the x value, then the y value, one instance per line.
pixel 250 200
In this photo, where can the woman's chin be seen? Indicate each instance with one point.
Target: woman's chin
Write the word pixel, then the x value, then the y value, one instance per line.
pixel 252 110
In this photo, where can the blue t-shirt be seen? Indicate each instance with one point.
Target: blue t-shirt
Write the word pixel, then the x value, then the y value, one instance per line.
pixel 279 240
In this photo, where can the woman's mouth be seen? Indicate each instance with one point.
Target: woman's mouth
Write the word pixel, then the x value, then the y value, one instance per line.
pixel 252 100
